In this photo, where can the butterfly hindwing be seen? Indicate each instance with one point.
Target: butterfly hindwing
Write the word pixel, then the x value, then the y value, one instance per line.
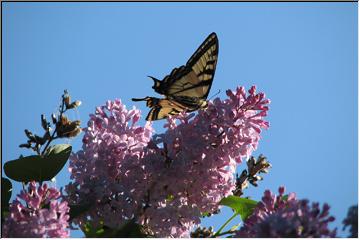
pixel 163 108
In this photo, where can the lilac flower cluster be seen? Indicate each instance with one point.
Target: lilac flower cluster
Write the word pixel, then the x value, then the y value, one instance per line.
pixel 41 216
pixel 164 181
pixel 286 217
pixel 108 172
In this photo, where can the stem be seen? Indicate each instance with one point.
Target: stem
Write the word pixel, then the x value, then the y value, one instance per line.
pixel 36 149
pixel 224 233
pixel 53 134
pixel 218 233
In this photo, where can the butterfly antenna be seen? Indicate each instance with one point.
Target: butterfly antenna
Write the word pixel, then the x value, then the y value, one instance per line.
pixel 214 95
pixel 140 99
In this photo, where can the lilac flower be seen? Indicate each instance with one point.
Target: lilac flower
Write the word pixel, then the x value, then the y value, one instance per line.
pixel 41 216
pixel 109 172
pixel 166 181
pixel 286 217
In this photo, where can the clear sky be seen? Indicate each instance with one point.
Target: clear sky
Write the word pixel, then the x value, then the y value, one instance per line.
pixel 302 55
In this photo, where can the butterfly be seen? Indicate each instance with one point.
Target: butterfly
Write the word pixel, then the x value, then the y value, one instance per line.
pixel 186 87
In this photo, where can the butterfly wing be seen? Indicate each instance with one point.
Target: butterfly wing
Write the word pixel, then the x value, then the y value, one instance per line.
pixel 162 108
pixel 195 78
pixel 187 87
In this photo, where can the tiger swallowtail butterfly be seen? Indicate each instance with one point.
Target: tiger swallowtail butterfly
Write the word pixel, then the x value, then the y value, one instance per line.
pixel 186 87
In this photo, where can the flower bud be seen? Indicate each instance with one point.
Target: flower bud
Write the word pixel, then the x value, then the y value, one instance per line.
pixel 53 118
pixel 67 101
pixel 241 183
pixel 75 104
pixel 66 128
pixel 40 140
pixel 25 145
pixel 44 123
pixel 30 135
pixel 203 232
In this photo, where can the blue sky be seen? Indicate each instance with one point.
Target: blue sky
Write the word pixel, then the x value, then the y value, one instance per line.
pixel 302 55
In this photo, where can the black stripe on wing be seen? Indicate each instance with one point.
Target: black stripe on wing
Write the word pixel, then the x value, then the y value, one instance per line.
pixel 210 41
pixel 202 63
pixel 161 108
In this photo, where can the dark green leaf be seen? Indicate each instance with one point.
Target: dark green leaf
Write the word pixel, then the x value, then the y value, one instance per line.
pixel 170 197
pixel 62 149
pixel 91 232
pixel 205 214
pixel 242 206
pixel 76 210
pixel 6 190
pixel 285 197
pixel 38 168
pixel 130 229
pixel 23 169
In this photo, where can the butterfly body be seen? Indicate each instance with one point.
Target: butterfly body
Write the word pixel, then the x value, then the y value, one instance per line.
pixel 186 87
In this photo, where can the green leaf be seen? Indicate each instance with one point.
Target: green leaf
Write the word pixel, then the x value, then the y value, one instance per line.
pixel 242 206
pixel 91 232
pixel 235 227
pixel 205 214
pixel 56 157
pixel 6 190
pixel 170 197
pixel 285 197
pixel 76 210
pixel 62 149
pixel 129 229
pixel 39 168
pixel 22 169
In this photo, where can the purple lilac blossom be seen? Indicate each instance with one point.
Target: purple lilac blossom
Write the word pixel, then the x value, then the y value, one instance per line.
pixel 164 181
pixel 42 215
pixel 286 217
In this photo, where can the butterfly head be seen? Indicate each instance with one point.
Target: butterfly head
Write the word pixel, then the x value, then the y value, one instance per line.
pixel 203 103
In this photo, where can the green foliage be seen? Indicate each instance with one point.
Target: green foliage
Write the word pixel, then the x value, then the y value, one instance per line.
pixel 6 190
pixel 91 232
pixel 39 168
pixel 76 210
pixel 130 229
pixel 205 214
pixel 170 197
pixel 285 197
pixel 242 206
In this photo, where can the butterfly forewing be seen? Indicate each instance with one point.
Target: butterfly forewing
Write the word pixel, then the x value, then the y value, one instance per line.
pixel 195 78
pixel 187 87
